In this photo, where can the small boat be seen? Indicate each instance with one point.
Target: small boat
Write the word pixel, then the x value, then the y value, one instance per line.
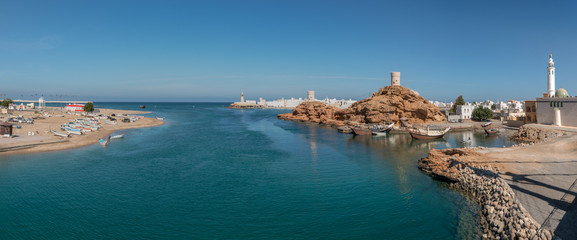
pixel 160 118
pixel 117 136
pixel 104 142
pixel 142 106
pixel 73 132
pixel 381 130
pixel 491 131
pixel 361 130
pixel 487 124
pixel 61 134
pixel 418 133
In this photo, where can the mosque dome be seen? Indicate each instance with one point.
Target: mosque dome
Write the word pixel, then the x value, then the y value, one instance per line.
pixel 561 93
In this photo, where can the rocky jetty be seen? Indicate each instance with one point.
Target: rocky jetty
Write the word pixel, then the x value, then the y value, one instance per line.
pixel 502 216
pixel 389 104
pixel 529 134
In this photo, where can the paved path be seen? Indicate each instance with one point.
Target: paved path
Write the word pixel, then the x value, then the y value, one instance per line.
pixel 544 178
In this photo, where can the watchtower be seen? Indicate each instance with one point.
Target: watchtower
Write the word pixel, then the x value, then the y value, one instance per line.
pixel 395 78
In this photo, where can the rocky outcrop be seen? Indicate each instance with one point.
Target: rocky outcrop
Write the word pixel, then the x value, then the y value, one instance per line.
pixel 529 134
pixel 502 216
pixel 392 103
pixel 316 112
pixel 389 105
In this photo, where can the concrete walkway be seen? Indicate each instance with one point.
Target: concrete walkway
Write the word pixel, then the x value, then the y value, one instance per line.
pixel 544 178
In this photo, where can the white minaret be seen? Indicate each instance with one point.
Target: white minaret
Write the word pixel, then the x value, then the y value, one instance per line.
pixel 551 77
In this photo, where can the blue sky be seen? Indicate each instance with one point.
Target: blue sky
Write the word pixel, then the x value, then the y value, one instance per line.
pixel 213 50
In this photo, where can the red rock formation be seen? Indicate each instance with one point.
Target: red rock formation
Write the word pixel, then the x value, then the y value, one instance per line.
pixel 389 104
pixel 316 112
pixel 392 103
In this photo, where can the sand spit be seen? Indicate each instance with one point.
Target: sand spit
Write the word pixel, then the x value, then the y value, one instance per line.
pixel 32 138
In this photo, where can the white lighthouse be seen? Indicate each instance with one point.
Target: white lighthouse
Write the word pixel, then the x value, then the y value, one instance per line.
pixel 551 77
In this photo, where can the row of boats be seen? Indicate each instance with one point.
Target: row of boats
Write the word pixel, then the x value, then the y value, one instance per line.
pixel 430 132
pixel 77 127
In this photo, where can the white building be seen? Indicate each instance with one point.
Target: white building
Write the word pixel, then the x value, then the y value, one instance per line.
pixel 556 107
pixel 465 111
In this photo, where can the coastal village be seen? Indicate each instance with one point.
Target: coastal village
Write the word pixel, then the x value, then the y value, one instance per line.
pixel 301 120
pixel 512 207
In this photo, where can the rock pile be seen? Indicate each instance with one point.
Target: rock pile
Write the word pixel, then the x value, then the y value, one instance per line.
pixel 389 105
pixel 528 134
pixel 502 216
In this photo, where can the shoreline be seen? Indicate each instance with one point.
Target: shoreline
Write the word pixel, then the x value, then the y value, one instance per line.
pixel 44 141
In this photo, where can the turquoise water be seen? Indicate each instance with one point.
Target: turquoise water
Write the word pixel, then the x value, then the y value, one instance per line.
pixel 216 173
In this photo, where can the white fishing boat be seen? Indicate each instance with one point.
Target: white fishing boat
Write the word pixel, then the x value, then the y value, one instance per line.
pixel 73 132
pixel 160 118
pixel 117 136
pixel 60 134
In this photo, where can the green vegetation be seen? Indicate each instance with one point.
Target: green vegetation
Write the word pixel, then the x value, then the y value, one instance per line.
pixel 482 113
pixel 6 102
pixel 493 107
pixel 89 107
pixel 458 101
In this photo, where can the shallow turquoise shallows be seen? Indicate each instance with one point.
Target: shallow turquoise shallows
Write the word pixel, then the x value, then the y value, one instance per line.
pixel 217 173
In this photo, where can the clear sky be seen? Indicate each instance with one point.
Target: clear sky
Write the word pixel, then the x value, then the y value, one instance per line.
pixel 212 50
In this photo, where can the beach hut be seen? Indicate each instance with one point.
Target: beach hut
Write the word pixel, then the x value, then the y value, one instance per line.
pixel 5 129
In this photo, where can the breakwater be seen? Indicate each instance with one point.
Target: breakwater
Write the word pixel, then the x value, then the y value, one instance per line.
pixel 502 216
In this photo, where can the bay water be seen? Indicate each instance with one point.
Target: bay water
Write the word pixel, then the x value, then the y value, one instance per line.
pixel 215 173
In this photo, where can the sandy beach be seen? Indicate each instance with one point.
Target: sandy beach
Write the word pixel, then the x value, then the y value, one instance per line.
pixel 44 140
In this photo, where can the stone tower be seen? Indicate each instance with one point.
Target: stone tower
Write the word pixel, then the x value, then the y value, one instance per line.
pixel 395 78
pixel 242 97
pixel 310 95
pixel 551 77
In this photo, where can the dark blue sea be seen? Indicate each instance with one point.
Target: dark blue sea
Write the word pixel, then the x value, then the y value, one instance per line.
pixel 217 173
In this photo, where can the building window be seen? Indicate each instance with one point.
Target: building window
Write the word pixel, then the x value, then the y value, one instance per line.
pixel 533 108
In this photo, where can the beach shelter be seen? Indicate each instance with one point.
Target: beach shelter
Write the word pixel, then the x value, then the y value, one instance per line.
pixel 5 128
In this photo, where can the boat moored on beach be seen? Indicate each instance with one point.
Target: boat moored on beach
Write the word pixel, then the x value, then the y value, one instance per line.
pixel 60 134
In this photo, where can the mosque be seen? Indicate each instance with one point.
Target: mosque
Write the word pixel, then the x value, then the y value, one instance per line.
pixel 556 107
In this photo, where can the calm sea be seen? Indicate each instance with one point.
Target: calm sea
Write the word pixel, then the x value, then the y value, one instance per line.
pixel 217 173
